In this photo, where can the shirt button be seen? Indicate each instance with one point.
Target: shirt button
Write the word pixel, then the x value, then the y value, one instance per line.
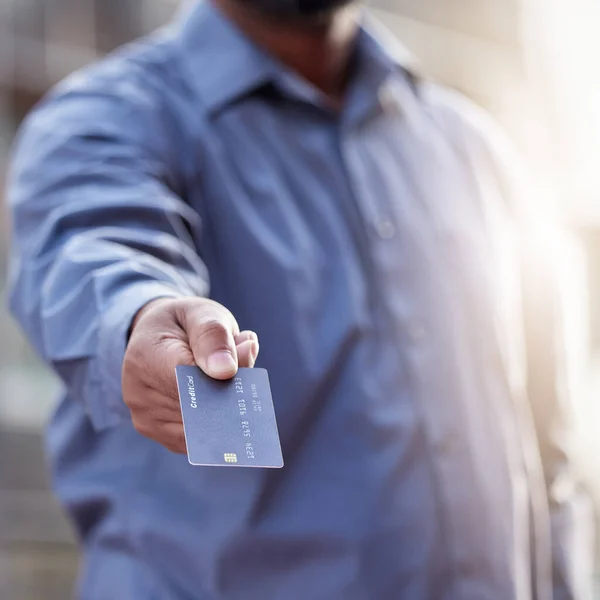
pixel 447 444
pixel 385 229
pixel 386 98
pixel 417 331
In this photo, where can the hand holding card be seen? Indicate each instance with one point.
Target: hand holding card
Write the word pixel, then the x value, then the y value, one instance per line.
pixel 229 423
pixel 167 332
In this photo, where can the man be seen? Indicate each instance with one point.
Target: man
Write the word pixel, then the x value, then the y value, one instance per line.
pixel 268 170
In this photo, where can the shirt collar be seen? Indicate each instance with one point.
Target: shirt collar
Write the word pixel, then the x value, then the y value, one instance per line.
pixel 226 65
pixel 381 59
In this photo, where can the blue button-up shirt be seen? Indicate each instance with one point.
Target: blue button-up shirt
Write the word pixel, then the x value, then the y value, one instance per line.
pixel 373 251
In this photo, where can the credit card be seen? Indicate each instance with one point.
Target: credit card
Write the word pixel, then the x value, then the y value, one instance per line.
pixel 229 423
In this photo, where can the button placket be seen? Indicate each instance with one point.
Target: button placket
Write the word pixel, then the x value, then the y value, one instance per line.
pixel 417 331
pixel 385 228
pixel 374 208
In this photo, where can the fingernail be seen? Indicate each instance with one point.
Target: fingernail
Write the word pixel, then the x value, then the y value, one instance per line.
pixel 221 364
pixel 252 359
pixel 255 351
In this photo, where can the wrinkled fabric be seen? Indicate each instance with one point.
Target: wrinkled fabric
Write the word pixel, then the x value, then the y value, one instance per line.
pixel 375 252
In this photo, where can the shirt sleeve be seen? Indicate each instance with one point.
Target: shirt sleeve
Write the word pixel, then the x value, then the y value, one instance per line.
pixel 98 231
pixel 542 244
pixel 551 394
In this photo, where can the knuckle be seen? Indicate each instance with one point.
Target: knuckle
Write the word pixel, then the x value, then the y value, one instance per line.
pixel 132 355
pixel 142 363
pixel 212 326
pixel 138 363
pixel 143 427
pixel 206 309
pixel 211 330
pixel 176 443
pixel 133 401
pixel 156 311
pixel 175 449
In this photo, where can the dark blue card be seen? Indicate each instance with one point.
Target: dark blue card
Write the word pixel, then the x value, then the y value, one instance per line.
pixel 229 423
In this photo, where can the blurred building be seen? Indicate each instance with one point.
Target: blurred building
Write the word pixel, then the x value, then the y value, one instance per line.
pixel 42 41
pixel 532 63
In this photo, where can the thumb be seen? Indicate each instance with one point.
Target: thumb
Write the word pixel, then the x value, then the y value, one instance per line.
pixel 211 329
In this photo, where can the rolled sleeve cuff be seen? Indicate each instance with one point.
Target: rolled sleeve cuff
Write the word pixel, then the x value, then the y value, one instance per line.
pixel 104 398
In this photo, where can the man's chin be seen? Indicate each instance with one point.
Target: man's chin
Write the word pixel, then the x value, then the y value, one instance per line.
pixel 307 11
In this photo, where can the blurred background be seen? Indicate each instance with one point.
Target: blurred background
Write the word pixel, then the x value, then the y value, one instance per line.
pixel 535 64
